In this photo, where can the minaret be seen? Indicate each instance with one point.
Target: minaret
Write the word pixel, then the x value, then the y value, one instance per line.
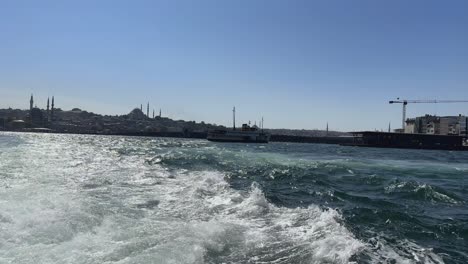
pixel 141 107
pixel 31 103
pixel 389 127
pixel 147 110
pixel 234 118
pixel 327 129
pixel 153 113
pixel 52 110
pixel 159 112
pixel 48 112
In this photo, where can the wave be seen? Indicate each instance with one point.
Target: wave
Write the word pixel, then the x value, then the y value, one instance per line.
pixel 152 201
pixel 421 191
pixel 400 251
pixel 260 231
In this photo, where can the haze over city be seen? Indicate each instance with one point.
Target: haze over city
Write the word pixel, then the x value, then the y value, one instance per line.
pixel 300 64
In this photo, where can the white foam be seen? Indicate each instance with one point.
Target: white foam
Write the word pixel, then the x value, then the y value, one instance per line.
pixel 85 210
pixel 405 252
pixel 263 232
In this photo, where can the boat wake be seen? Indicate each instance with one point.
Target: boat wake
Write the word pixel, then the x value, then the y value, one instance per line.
pixel 160 202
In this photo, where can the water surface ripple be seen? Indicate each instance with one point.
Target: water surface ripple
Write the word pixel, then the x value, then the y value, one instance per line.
pixel 106 199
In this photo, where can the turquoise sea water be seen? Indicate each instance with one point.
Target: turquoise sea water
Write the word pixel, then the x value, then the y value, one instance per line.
pixel 106 199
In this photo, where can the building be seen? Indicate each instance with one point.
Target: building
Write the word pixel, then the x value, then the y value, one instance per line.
pixel 463 125
pixel 448 125
pixel 436 125
pixel 137 114
pixel 36 117
pixel 410 127
pixel 17 124
pixel 433 128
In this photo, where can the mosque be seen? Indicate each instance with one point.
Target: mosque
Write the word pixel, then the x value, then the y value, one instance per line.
pixel 36 116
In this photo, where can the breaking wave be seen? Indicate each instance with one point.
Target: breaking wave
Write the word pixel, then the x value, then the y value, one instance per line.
pixel 128 200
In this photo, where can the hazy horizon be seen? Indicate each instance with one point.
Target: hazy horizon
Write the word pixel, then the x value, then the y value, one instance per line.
pixel 300 64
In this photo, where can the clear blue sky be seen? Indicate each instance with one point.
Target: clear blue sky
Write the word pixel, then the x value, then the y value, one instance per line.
pixel 298 63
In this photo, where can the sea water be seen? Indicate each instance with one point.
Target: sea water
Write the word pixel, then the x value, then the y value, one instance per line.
pixel 110 199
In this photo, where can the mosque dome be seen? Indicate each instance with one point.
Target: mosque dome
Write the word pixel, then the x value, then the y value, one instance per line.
pixel 136 114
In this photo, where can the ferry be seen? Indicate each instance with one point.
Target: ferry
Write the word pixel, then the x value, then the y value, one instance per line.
pixel 246 134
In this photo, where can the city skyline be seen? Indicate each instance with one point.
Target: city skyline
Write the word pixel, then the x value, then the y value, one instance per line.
pixel 298 64
pixel 33 104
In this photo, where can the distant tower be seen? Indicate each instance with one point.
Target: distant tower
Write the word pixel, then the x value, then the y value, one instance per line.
pixel 153 113
pixel 389 129
pixel 52 110
pixel 147 110
pixel 48 112
pixel 31 103
pixel 234 118
pixel 159 112
pixel 141 107
pixel 327 129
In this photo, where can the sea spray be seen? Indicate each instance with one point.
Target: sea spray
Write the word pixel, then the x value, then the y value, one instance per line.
pixel 102 199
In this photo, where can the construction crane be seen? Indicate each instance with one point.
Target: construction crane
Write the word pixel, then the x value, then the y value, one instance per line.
pixel 405 102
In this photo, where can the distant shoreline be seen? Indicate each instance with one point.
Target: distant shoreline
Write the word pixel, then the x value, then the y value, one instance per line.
pixel 202 135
